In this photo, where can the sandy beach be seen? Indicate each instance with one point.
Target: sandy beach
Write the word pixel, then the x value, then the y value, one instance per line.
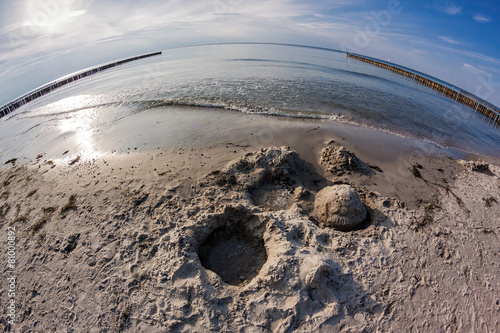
pixel 217 230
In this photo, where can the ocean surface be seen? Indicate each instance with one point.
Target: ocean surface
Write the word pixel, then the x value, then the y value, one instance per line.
pixel 291 81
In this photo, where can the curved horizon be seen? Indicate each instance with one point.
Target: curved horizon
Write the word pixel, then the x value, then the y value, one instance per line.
pixel 79 72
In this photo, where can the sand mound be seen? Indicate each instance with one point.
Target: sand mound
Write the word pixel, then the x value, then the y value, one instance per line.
pixel 339 159
pixel 478 166
pixel 339 207
pixel 272 177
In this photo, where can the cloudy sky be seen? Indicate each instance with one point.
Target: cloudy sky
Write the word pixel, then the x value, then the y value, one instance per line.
pixel 457 41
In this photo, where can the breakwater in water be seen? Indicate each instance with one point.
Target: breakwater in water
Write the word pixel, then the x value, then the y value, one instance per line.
pixel 482 107
pixel 45 89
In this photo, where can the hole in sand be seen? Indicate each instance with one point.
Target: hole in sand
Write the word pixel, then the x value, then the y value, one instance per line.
pixel 274 190
pixel 323 239
pixel 272 197
pixel 233 253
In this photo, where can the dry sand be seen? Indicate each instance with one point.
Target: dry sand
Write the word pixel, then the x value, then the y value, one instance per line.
pixel 217 236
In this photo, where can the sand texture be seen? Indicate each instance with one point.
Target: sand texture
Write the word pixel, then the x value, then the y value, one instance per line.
pixel 212 240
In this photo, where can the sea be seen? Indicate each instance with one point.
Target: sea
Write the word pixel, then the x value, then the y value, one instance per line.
pixel 272 79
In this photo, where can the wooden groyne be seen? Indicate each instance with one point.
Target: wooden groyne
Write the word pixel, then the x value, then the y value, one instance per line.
pixel 45 89
pixel 482 107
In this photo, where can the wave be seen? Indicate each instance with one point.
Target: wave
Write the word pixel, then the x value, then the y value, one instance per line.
pixel 119 107
pixel 138 105
pixel 273 111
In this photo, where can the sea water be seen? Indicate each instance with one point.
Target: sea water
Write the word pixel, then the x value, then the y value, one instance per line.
pixel 283 80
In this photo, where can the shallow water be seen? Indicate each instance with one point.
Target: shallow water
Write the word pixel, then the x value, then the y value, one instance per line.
pixel 271 79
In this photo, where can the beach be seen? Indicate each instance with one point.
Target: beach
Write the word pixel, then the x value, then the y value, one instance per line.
pixel 215 231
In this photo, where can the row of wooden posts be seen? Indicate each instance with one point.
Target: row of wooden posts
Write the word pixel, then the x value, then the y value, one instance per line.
pixel 489 111
pixel 8 108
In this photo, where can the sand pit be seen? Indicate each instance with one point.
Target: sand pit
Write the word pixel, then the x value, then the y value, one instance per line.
pixel 233 252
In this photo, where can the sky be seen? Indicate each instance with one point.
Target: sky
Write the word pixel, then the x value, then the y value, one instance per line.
pixel 455 41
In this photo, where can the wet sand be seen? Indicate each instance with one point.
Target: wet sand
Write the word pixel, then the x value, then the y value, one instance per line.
pixel 130 240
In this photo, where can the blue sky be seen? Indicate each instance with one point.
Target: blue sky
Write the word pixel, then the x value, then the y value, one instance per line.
pixel 456 41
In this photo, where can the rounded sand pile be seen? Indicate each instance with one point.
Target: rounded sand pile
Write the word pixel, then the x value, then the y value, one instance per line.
pixel 339 207
pixel 339 159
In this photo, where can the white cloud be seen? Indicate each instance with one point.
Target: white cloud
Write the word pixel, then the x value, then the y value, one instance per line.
pixel 449 40
pixel 481 18
pixel 474 70
pixel 451 9
pixel 481 57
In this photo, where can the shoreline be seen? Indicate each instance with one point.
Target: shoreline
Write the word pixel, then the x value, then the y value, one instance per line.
pixel 189 125
pixel 121 242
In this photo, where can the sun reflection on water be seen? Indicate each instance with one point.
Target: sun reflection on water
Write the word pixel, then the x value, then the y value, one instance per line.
pixel 80 126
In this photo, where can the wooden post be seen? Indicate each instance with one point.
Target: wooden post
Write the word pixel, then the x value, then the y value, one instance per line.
pixel 49 87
